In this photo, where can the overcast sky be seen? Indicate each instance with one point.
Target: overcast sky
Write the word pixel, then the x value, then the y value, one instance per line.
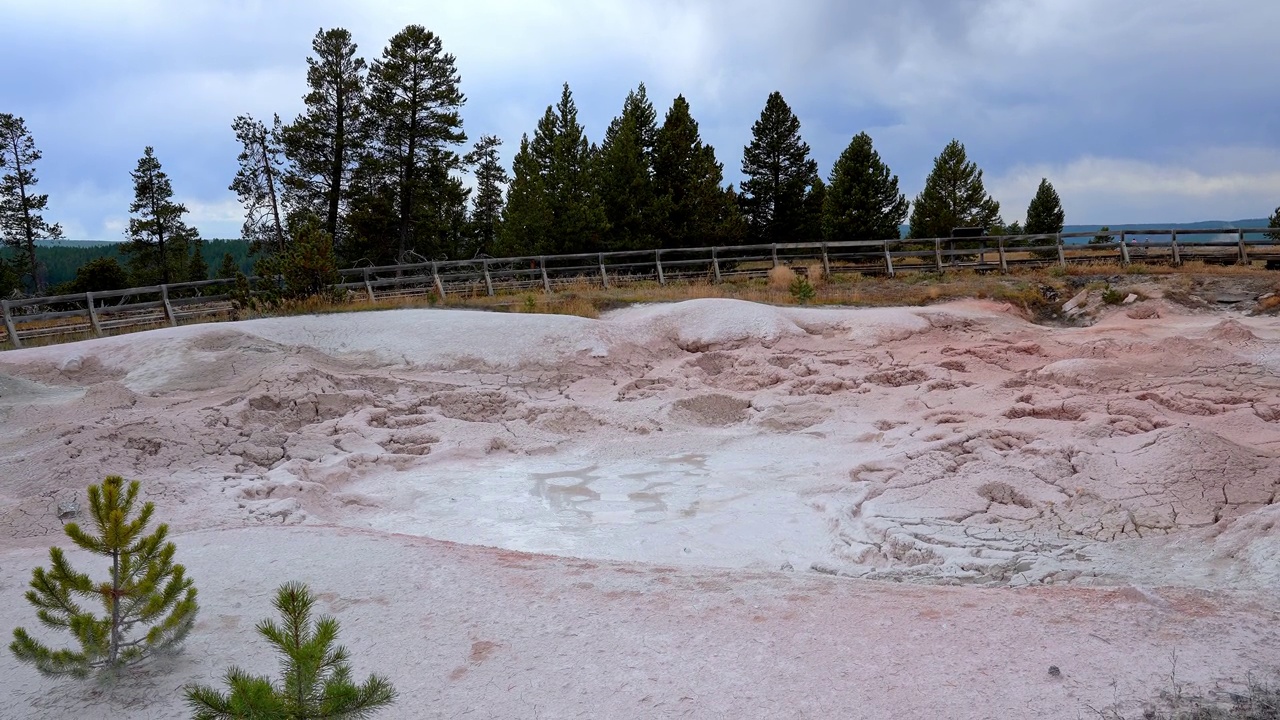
pixel 1136 110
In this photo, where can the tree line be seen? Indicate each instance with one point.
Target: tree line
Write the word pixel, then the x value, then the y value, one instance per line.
pixel 375 163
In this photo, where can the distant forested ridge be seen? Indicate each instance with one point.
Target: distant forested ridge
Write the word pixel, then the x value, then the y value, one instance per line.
pixel 61 258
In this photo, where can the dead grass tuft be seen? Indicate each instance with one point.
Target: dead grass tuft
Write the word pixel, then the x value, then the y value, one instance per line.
pixel 781 277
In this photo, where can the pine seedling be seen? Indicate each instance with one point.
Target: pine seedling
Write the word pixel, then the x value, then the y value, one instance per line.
pixel 147 590
pixel 317 675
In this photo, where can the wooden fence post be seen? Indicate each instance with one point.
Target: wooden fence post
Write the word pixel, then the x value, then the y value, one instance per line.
pixel 93 315
pixel 1062 255
pixel 488 282
pixel 368 286
pixel 546 282
pixel 1173 242
pixel 937 254
pixel 1124 249
pixel 8 324
pixel 826 263
pixel 1244 254
pixel 888 259
pixel 715 264
pixel 1004 262
pixel 168 309
pixel 435 275
pixel 604 277
pixel 774 250
pixel 657 259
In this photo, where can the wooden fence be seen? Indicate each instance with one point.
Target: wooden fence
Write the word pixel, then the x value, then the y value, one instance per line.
pixel 98 313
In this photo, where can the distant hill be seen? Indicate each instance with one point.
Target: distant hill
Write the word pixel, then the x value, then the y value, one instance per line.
pixel 61 258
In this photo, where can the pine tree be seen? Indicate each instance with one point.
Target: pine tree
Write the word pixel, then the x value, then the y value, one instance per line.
pixel 9 279
pixel 197 266
pixel 99 275
pixel 814 200
pixel 1103 237
pixel 551 208
pixel 779 173
pixel 146 589
pixel 317 674
pixel 321 145
pixel 624 174
pixel 1044 214
pixel 22 222
pixel 1274 222
pixel 158 237
pixel 257 183
pixel 486 212
pixel 228 268
pixel 863 201
pixel 691 207
pixel 526 218
pixel 953 197
pixel 413 128
pixel 309 266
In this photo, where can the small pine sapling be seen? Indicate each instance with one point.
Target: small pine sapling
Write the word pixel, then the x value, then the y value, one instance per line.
pixel 146 590
pixel 317 676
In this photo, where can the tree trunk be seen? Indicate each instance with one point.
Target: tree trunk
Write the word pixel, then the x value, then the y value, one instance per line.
pixel 339 150
pixel 271 191
pixel 29 240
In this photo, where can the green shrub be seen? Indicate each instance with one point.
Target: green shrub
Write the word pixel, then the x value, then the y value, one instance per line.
pixel 802 290
pixel 1112 296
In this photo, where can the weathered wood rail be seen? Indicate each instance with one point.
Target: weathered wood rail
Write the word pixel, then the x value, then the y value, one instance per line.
pixel 99 313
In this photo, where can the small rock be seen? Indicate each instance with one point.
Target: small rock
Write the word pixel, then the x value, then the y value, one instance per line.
pixel 1076 301
pixel 1133 298
pixel 1054 671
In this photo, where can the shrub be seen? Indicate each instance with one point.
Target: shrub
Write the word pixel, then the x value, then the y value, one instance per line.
pixel 802 290
pixel 317 677
pixel 309 266
pixel 146 588
pixel 1112 296
pixel 99 275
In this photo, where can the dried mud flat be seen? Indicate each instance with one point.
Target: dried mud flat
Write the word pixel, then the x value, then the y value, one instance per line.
pixel 705 509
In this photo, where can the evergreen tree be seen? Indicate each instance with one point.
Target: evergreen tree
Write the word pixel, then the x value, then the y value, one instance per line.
pixel 197 266
pixel 1103 237
pixel 814 200
pixel 414 126
pixel 551 208
pixel 257 183
pixel 691 207
pixel 98 275
pixel 625 174
pixel 1274 222
pixel 526 218
pixel 486 212
pixel 779 174
pixel 228 268
pixel 953 197
pixel 1044 214
pixel 22 222
pixel 9 280
pixel 863 201
pixel 158 237
pixel 321 145
pixel 317 674
pixel 146 589
pixel 309 266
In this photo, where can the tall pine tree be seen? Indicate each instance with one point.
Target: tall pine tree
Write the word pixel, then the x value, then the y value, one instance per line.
pixel 863 201
pixel 323 142
pixel 1044 214
pixel 414 128
pixel 158 236
pixel 624 174
pixel 257 184
pixel 486 208
pixel 953 196
pixel 779 174
pixel 22 222
pixel 551 206
pixel 691 206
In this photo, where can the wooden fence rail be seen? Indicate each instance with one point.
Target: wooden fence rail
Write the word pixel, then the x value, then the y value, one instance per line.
pixel 97 313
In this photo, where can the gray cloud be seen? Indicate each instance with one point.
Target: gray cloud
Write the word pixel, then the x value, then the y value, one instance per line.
pixel 1128 94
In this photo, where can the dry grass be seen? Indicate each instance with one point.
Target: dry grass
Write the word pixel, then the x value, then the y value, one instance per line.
pixel 781 277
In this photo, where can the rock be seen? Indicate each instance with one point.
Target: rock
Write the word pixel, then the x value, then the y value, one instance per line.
pixel 1054 672
pixel 1075 302
pixel 1133 298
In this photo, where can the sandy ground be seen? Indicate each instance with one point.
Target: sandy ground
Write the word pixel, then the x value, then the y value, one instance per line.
pixel 707 509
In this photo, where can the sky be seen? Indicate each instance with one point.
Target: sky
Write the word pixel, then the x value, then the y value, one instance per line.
pixel 1136 110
